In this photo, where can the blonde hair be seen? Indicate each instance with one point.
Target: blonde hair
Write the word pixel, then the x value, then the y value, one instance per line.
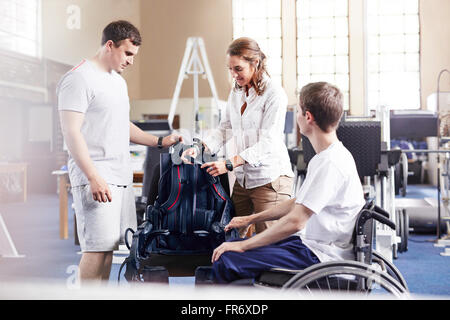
pixel 249 50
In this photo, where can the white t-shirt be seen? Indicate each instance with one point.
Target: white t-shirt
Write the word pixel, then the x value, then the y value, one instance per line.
pixel 258 134
pixel 333 191
pixel 103 98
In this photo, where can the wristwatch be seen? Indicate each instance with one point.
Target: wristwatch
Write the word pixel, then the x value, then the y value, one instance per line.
pixel 229 165
pixel 160 139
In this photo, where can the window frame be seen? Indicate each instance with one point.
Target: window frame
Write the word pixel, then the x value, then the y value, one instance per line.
pixel 334 73
pixel 16 38
pixel 381 37
pixel 263 40
pixel 358 70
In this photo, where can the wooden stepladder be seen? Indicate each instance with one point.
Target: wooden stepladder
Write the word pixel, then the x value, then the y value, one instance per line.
pixel 7 247
pixel 195 63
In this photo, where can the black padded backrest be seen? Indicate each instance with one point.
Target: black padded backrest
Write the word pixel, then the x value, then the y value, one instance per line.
pixel 362 139
pixel 152 160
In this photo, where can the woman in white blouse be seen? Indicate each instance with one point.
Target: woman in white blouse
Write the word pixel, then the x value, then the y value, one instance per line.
pixel 255 116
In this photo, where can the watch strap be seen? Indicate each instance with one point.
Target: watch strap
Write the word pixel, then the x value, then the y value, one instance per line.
pixel 229 165
pixel 160 139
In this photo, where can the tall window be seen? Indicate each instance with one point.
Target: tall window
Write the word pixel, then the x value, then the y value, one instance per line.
pixel 393 54
pixel 322 43
pixel 20 26
pixel 261 21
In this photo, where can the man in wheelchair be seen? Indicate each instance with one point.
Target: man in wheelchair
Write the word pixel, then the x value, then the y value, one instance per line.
pixel 315 226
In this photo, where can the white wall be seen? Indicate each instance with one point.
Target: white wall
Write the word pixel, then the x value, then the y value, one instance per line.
pixel 70 45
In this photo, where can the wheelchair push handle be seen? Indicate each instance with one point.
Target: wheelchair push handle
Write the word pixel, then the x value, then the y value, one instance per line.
pixel 381 211
pixel 383 219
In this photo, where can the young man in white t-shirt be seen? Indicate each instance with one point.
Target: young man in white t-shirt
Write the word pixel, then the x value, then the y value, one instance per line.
pixel 94 109
pixel 317 225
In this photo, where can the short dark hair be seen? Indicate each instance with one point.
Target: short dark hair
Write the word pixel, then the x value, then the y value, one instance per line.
pixel 120 30
pixel 325 102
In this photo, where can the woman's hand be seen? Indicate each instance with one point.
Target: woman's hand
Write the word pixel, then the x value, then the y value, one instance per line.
pixel 191 152
pixel 215 168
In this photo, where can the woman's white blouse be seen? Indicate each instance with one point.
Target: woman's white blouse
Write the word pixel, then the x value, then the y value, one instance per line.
pixel 258 134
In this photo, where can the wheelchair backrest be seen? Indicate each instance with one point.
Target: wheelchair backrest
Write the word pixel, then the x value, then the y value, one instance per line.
pixel 364 230
pixel 363 235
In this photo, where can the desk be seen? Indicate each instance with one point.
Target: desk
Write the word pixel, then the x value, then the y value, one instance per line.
pixel 12 167
pixel 138 182
pixel 63 185
pixel 138 176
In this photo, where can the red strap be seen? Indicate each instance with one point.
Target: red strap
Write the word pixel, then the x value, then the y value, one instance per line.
pixel 215 188
pixel 179 188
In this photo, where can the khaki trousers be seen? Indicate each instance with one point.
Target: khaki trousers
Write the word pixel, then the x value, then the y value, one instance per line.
pixel 250 201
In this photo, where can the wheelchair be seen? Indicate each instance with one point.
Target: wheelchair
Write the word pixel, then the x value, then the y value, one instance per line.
pixel 370 273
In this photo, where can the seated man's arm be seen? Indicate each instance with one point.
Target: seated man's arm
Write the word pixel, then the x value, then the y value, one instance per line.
pixel 289 224
pixel 71 122
pixel 273 213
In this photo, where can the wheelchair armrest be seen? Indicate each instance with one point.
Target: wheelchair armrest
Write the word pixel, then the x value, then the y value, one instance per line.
pixel 161 232
pixel 201 233
pixel 276 277
pixel 282 270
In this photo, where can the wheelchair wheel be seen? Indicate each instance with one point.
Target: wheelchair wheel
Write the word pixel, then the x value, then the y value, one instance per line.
pixel 405 234
pixel 399 229
pixel 344 277
pixel 402 222
pixel 390 268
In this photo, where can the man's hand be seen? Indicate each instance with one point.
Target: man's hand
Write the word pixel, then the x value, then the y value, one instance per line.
pixel 215 168
pixel 100 190
pixel 227 246
pixel 238 222
pixel 171 140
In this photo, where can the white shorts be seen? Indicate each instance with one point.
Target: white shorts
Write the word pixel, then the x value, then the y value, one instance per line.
pixel 101 225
